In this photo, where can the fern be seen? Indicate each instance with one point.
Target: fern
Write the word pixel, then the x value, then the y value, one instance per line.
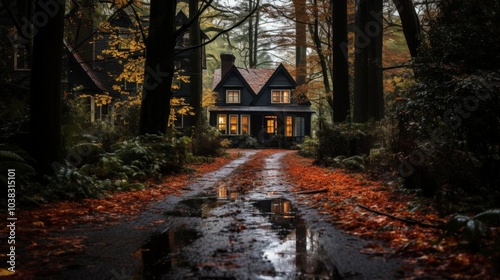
pixel 13 157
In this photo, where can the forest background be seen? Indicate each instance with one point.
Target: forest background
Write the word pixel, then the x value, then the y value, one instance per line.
pixel 402 89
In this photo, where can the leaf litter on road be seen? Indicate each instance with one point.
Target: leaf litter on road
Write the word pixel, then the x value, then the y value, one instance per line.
pixel 340 195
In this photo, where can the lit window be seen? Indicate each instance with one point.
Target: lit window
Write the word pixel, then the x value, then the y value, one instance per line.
pixel 289 127
pixel 233 124
pixel 271 122
pixel 280 96
pixel 233 96
pixel 222 123
pixel 245 124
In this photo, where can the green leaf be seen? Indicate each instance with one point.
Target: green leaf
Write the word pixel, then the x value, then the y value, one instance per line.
pixel 134 186
pixel 10 156
pixel 20 167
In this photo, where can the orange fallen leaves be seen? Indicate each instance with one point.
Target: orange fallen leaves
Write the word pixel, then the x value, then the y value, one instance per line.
pixel 246 176
pixel 346 190
pixel 117 205
pixel 37 226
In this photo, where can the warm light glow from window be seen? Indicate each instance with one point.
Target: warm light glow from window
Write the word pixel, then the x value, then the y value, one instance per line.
pixel 245 124
pixel 280 96
pixel 233 122
pixel 222 123
pixel 289 127
pixel 233 96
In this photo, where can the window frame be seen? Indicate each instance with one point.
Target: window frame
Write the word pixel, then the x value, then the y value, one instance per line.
pixel 222 124
pixel 271 129
pixel 289 126
pixel 247 125
pixel 283 98
pixel 232 100
pixel 236 125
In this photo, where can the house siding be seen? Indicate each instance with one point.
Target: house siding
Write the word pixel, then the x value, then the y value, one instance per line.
pixel 234 82
pixel 279 81
pixel 268 121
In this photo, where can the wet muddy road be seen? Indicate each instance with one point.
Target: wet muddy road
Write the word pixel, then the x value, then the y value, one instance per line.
pixel 213 231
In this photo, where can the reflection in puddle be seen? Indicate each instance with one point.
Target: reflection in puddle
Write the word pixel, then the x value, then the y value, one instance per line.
pixel 201 206
pixel 298 251
pixel 162 251
pixel 195 207
pixel 223 193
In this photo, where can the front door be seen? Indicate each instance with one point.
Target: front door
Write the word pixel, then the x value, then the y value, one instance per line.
pixel 271 125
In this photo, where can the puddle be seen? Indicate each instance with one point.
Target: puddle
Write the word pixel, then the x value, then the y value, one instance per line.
pixel 298 252
pixel 224 193
pixel 162 251
pixel 202 205
pixel 195 207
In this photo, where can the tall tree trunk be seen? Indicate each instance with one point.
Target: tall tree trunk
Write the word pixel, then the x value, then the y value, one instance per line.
pixel 253 32
pixel 300 41
pixel 196 77
pixel 255 38
pixel 314 31
pixel 411 24
pixel 46 91
pixel 251 62
pixel 368 87
pixel 160 49
pixel 340 71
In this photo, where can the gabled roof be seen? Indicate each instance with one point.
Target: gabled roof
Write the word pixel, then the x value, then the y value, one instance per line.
pixel 92 75
pixel 255 78
pixel 281 69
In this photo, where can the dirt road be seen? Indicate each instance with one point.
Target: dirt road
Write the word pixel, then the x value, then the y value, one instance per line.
pixel 218 229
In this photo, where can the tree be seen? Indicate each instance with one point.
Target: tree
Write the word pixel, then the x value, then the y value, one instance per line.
pixel 368 87
pixel 301 21
pixel 340 71
pixel 46 92
pixel 195 61
pixel 411 24
pixel 318 14
pixel 253 34
pixel 159 66
pixel 454 106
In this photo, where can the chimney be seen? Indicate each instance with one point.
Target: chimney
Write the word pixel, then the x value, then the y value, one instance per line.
pixel 227 61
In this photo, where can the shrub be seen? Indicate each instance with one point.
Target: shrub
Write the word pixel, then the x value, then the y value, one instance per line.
pixel 139 158
pixel 344 140
pixel 448 121
pixel 309 147
pixel 208 142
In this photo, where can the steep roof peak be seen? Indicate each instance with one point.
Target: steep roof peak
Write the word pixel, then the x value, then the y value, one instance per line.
pixel 256 78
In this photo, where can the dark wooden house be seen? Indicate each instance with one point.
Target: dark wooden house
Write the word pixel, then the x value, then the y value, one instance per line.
pixel 258 103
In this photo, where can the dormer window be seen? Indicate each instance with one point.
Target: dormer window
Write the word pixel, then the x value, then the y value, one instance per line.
pixel 233 96
pixel 280 96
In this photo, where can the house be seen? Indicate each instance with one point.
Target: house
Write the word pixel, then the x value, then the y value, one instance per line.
pixel 92 76
pixel 90 71
pixel 181 85
pixel 259 103
pixel 15 65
